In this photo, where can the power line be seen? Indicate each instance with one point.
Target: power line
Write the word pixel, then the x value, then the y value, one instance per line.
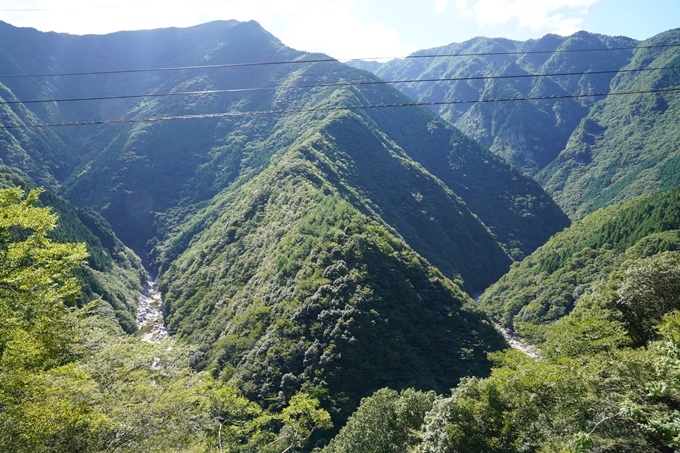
pixel 325 60
pixel 67 8
pixel 70 8
pixel 330 85
pixel 333 108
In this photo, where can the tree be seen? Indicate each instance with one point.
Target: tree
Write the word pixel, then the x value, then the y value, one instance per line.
pixel 36 335
pixel 648 290
pixel 385 422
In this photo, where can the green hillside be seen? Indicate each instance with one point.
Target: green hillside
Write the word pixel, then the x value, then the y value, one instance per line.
pixel 604 377
pixel 627 145
pixel 134 174
pixel 592 389
pixel 292 287
pixel 112 273
pixel 547 284
pixel 325 249
pixel 37 153
pixel 528 134
pixel 317 257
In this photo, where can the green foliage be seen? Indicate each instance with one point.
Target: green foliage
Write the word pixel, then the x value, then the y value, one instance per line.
pixel 386 422
pixel 36 282
pixel 590 390
pixel 547 406
pixel 36 285
pixel 67 384
pixel 643 294
pixel 627 145
pixel 547 284
pixel 292 288
pixel 113 271
pixel 528 135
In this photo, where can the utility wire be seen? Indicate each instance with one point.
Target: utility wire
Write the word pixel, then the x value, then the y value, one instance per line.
pixel 324 60
pixel 70 8
pixel 330 85
pixel 332 109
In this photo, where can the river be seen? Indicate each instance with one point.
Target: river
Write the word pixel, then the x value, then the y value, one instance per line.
pixel 149 314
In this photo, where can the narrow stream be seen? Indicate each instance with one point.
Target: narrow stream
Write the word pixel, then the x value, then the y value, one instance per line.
pixel 149 314
pixel 529 349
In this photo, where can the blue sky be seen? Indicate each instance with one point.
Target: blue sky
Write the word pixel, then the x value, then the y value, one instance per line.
pixel 358 28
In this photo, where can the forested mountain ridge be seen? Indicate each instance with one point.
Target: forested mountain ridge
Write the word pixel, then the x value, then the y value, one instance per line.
pixel 231 146
pixel 37 153
pixel 587 152
pixel 318 250
pixel 307 259
pixel 527 134
pixel 627 145
pixel 600 304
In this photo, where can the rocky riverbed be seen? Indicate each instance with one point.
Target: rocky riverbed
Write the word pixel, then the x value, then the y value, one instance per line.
pixel 149 314
pixel 529 349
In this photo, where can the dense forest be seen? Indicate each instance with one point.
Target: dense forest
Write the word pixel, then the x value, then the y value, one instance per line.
pixel 334 277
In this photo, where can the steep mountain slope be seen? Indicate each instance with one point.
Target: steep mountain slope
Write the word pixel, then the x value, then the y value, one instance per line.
pixel 322 248
pixel 627 145
pixel 527 134
pixel 113 272
pixel 131 173
pixel 37 153
pixel 546 285
pixel 289 286
pixel 593 388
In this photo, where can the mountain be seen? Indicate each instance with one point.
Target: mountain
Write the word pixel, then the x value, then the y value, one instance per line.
pixel 626 145
pixel 590 386
pixel 314 245
pixel 322 248
pixel 37 153
pixel 527 134
pixel 150 169
pixel 546 285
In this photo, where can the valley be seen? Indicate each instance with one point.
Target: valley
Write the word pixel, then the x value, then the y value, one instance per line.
pixel 317 249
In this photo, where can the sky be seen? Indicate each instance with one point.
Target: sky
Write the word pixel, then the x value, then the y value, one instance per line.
pixel 367 29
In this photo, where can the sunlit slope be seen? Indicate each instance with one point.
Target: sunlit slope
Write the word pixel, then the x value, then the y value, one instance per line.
pixel 627 145
pixel 310 243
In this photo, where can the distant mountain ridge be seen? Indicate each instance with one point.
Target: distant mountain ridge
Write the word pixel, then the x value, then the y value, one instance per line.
pixel 627 145
pixel 527 134
pixel 587 152
pixel 134 193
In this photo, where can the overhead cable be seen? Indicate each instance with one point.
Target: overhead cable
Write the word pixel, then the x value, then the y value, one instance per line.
pixel 328 85
pixel 70 8
pixel 332 109
pixel 324 60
